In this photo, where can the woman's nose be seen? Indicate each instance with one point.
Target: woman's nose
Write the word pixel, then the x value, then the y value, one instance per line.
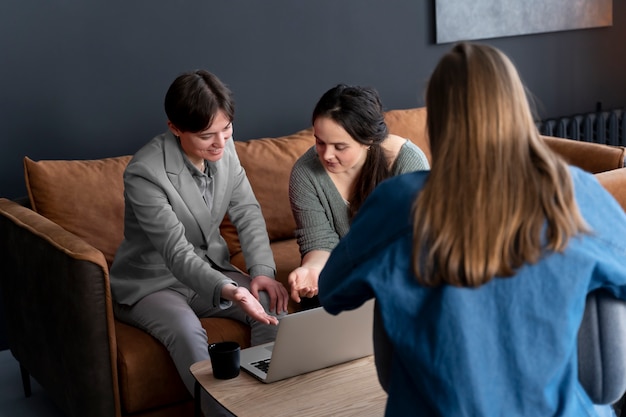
pixel 221 139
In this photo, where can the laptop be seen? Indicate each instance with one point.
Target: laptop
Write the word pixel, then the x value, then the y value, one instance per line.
pixel 310 340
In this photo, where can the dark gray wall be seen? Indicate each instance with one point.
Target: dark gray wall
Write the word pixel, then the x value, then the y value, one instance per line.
pixel 86 79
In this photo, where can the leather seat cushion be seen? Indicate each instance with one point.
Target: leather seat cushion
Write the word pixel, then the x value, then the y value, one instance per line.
pixel 147 375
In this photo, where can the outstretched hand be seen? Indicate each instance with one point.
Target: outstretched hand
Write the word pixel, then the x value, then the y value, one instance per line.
pixel 248 303
pixel 303 282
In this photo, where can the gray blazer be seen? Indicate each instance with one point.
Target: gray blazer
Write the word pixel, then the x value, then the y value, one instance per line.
pixel 170 236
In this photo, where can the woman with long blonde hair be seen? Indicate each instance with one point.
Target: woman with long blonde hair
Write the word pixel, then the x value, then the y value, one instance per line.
pixel 505 182
pixel 481 267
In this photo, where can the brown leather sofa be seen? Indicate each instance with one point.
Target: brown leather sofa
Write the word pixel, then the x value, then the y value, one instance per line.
pixel 55 253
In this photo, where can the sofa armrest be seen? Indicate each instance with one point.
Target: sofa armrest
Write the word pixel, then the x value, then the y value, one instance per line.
pixel 592 157
pixel 57 301
pixel 614 181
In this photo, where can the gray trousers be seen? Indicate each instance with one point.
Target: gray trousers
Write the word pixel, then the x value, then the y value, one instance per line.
pixel 172 317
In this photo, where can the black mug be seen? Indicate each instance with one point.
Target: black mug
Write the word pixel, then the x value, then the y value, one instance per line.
pixel 225 359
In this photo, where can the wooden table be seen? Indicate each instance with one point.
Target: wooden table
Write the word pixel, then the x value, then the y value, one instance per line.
pixel 349 389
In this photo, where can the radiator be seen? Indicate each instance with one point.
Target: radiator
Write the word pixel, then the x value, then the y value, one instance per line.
pixel 606 127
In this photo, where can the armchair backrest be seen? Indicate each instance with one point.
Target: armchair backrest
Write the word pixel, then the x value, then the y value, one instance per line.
pixel 602 348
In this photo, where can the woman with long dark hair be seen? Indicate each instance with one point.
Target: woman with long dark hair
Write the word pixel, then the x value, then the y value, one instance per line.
pixel 353 153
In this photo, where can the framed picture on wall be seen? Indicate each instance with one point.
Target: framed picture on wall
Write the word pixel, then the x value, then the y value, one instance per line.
pixel 482 19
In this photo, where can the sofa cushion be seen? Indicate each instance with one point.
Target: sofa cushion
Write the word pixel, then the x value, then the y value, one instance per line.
pixel 268 163
pixel 410 124
pixel 84 197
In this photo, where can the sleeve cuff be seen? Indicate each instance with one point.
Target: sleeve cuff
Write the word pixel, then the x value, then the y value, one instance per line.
pixel 220 302
pixel 257 270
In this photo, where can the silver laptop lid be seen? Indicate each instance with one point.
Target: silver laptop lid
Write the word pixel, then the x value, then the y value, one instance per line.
pixel 314 339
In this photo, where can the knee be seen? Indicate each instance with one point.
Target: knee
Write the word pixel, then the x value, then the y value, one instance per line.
pixel 185 332
pixel 264 299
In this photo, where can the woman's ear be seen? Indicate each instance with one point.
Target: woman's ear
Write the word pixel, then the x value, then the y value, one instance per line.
pixel 173 128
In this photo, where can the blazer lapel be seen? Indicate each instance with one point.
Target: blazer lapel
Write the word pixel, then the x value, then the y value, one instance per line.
pixel 182 180
pixel 221 174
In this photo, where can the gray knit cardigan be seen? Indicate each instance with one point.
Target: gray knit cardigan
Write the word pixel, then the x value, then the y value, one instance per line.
pixel 320 212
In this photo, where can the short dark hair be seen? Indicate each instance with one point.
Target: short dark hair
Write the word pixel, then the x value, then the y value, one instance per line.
pixel 194 98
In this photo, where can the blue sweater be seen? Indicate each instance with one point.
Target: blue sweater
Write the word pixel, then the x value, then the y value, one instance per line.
pixel 506 348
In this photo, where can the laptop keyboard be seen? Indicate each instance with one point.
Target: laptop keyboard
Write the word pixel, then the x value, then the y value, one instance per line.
pixel 262 365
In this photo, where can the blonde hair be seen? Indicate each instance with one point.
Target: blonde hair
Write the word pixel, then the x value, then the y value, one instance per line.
pixel 497 196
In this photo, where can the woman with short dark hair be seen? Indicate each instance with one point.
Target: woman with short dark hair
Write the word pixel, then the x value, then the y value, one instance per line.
pixel 173 267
